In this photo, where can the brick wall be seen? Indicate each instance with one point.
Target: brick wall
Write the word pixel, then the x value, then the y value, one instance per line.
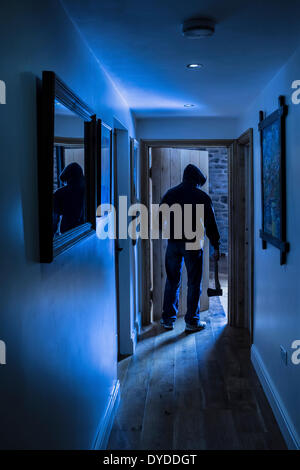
pixel 218 190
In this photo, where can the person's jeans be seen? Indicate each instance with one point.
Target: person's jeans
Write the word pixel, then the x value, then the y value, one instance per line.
pixel 193 259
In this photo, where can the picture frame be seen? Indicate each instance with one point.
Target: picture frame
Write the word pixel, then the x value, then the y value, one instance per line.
pixel 134 148
pixel 60 109
pixel 104 164
pixel 273 179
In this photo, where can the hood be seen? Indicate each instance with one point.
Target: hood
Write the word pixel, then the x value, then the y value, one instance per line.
pixel 72 174
pixel 193 175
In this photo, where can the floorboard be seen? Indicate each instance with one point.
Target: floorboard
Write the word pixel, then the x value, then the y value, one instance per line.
pixel 193 391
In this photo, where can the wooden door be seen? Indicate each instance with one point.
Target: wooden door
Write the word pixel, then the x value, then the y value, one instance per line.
pixel 168 165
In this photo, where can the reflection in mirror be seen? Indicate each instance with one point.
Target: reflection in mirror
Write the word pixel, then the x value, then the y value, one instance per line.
pixel 69 188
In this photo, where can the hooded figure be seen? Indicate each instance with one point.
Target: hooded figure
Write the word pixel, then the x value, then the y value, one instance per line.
pixel 187 192
pixel 69 199
pixel 193 175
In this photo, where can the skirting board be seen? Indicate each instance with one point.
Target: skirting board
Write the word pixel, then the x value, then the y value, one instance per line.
pixel 286 426
pixel 108 419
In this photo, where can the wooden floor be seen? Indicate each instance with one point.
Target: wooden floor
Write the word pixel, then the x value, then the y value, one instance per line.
pixel 193 391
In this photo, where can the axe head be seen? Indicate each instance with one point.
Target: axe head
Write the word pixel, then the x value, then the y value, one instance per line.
pixel 214 292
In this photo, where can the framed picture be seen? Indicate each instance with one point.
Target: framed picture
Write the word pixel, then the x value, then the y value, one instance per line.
pixel 66 168
pixel 104 164
pixel 134 148
pixel 273 189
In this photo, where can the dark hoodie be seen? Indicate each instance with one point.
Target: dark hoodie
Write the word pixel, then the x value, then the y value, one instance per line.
pixel 69 199
pixel 188 192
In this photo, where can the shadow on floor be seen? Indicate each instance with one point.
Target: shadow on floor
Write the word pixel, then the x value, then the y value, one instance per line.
pixel 193 391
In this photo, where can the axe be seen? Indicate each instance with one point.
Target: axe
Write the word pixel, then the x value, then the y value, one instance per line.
pixel 217 290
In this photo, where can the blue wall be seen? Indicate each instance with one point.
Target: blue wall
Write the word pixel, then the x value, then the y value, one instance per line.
pixel 276 299
pixel 187 128
pixel 276 288
pixel 58 320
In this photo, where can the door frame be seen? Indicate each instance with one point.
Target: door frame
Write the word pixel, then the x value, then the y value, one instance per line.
pixel 236 317
pixel 127 335
pixel 145 174
pixel 116 243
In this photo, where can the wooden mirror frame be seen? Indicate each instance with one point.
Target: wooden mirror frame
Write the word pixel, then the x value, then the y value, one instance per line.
pixel 101 125
pixel 134 189
pixel 55 89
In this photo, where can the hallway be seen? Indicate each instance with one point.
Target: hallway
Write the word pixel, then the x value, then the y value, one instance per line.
pixel 104 107
pixel 193 391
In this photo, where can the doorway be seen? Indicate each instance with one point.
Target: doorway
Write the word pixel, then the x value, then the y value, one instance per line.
pixel 167 169
pixel 125 262
pixel 240 234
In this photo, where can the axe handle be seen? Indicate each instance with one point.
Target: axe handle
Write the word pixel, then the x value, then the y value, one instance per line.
pixel 217 282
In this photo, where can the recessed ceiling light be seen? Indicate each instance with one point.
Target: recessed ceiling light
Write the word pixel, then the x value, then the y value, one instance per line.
pixel 188 105
pixel 194 66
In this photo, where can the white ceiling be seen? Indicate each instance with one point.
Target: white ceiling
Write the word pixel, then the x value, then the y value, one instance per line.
pixel 140 45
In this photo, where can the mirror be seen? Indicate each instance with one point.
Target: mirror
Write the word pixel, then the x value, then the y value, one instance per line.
pixel 69 191
pixel 67 169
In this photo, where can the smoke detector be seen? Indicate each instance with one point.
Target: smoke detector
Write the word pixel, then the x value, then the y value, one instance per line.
pixel 198 28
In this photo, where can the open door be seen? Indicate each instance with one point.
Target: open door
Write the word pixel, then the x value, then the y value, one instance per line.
pixel 136 244
pixel 125 261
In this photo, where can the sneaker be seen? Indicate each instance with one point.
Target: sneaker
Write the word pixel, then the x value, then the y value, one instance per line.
pixel 198 327
pixel 167 325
